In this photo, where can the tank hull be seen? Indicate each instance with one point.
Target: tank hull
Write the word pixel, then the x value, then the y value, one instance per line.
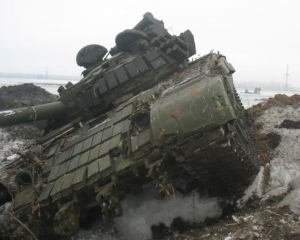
pixel 176 120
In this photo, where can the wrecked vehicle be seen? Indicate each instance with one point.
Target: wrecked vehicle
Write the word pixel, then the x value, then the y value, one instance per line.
pixel 145 114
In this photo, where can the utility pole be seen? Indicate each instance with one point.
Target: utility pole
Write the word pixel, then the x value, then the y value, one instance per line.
pixel 286 78
pixel 47 72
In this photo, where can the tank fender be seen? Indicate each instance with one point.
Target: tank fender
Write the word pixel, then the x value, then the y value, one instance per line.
pixel 196 104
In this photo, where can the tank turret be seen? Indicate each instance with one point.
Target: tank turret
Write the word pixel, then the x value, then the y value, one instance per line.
pixel 143 56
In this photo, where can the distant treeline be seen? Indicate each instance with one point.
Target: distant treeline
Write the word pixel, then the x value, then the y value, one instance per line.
pixel 39 76
pixel 266 86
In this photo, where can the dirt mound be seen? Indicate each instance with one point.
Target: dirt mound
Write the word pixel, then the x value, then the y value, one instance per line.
pixel 279 100
pixel 21 96
pixel 24 95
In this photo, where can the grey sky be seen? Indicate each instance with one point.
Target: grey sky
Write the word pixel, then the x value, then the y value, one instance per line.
pixel 259 37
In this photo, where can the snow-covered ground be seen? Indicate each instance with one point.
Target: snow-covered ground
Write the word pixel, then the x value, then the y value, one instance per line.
pixel 285 166
pixel 249 100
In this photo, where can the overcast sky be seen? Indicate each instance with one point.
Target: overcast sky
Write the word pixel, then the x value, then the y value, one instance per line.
pixel 259 37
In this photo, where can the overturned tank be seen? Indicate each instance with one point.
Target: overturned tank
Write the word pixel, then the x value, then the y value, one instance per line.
pixel 145 114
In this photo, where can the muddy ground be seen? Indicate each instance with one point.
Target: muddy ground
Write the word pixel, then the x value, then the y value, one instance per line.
pixel 270 208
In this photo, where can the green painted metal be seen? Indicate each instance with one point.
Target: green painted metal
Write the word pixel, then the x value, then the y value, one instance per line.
pixel 145 114
pixel 190 107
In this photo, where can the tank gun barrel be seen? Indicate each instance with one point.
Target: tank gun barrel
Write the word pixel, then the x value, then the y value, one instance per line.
pixel 53 110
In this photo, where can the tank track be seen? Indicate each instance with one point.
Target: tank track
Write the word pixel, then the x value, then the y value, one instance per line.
pixel 247 128
pixel 222 159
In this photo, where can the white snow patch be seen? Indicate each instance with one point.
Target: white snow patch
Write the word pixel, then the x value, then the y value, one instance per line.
pixel 285 166
pixel 7 113
pixel 142 211
pixel 292 200
pixel 228 238
pixel 7 143
pixel 13 157
pixel 275 192
pixel 254 189
pixel 8 146
pixel 275 115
